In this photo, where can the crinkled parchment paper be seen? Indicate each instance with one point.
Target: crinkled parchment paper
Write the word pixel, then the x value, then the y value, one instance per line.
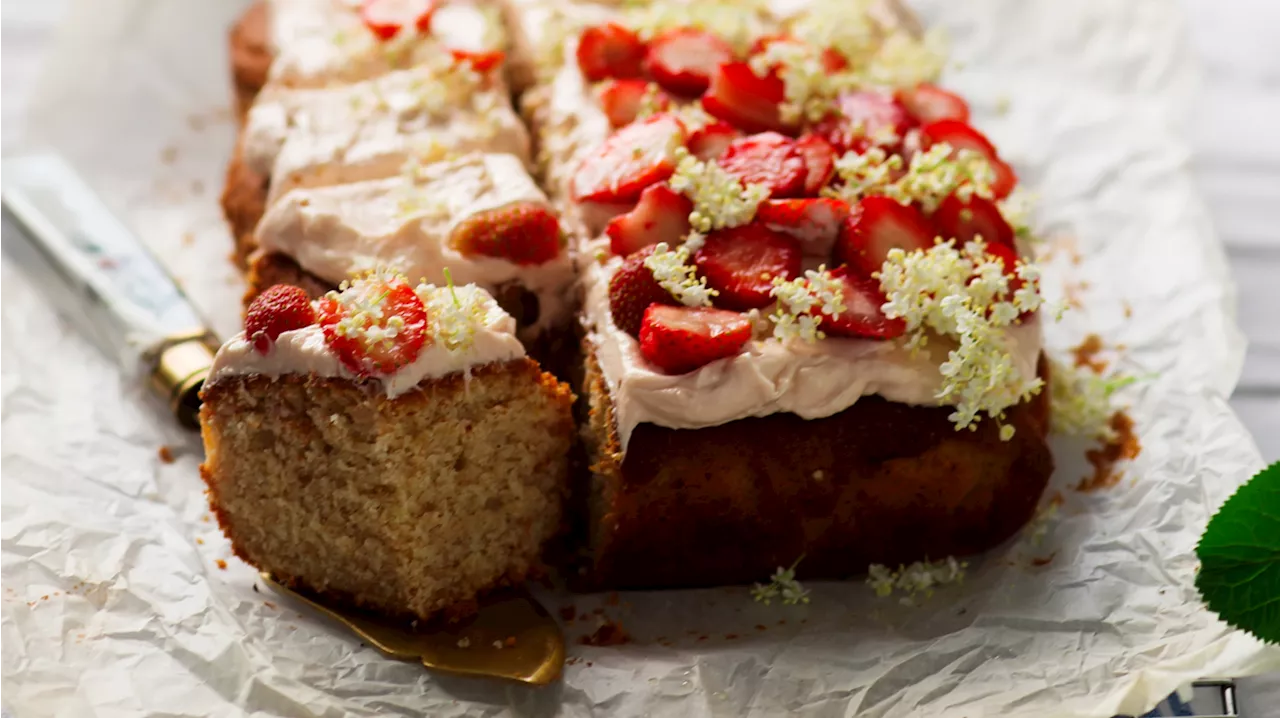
pixel 115 602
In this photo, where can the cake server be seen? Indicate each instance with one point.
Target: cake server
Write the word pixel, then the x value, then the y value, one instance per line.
pixel 118 293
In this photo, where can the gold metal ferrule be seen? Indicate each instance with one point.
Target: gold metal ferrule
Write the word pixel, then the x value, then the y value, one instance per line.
pixel 179 370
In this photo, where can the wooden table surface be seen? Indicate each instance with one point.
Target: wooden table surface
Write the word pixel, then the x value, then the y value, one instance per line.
pixel 1236 138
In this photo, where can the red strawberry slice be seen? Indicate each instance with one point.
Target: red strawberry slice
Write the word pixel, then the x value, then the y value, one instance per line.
pixel 741 262
pixel 521 232
pixel 710 141
pixel 769 159
pixel 634 157
pixel 631 290
pixel 609 50
pixel 366 349
pixel 820 158
pixel 876 225
pixel 743 100
pixel 678 340
pixel 861 117
pixel 621 100
pixel 479 61
pixel 661 215
pixel 929 103
pixel 963 137
pixel 281 308
pixel 814 222
pixel 862 315
pixel 963 221
pixel 682 60
pixel 387 17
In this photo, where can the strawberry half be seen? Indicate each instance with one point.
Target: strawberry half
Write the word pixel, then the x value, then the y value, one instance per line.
pixel 386 18
pixel 963 221
pixel 750 103
pixel 621 100
pixel 609 50
pixel 632 289
pixel 861 117
pixel 710 141
pixel 281 308
pixel 862 315
pixel 820 159
pixel 368 348
pixel 661 215
pixel 876 225
pixel 678 340
pixel 963 137
pixel 479 61
pixel 521 232
pixel 815 223
pixel 682 60
pixel 634 157
pixel 741 262
pixel 927 102
pixel 769 159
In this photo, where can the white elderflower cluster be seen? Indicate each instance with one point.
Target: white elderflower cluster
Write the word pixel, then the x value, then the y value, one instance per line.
pixel 930 176
pixel 920 578
pixel 719 199
pixel 846 26
pixel 869 173
pixel 964 294
pixel 673 272
pixel 903 61
pixel 737 22
pixel 362 300
pixel 1081 400
pixel 454 313
pixel 782 586
pixel 649 102
pixel 795 317
pixel 1016 210
pixel 809 88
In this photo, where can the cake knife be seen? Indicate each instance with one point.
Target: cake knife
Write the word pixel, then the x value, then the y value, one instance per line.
pixel 117 292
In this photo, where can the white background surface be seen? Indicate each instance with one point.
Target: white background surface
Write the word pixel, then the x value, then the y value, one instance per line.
pixel 1237 164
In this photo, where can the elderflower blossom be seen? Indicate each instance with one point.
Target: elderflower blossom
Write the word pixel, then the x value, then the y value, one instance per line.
pixel 846 26
pixel 455 313
pixel 808 87
pixel 931 176
pixel 965 295
pixel 649 104
pixel 737 22
pixel 903 61
pixel 1081 400
pixel 673 272
pixel 363 318
pixel 783 585
pixel 795 317
pixel 719 199
pixel 869 173
pixel 921 577
pixel 1016 210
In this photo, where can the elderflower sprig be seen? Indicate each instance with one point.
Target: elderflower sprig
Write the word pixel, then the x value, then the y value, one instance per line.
pixel 455 313
pixel 795 316
pixel 362 299
pixel 920 578
pixel 1081 400
pixel 673 272
pixel 719 199
pixel 783 585
pixel 930 177
pixel 809 89
pixel 965 294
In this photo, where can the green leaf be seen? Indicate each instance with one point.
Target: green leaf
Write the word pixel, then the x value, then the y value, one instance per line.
pixel 1240 557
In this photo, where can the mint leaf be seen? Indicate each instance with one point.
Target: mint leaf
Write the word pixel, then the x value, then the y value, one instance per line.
pixel 1240 557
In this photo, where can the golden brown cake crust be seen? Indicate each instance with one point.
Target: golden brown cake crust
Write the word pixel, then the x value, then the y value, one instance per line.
pixel 244 200
pixel 880 482
pixel 250 55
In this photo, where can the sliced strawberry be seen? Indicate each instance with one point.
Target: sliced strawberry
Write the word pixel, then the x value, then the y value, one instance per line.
pixel 281 308
pixel 521 232
pixel 740 263
pixel 820 158
pixel 814 222
pixel 678 340
pixel 833 61
pixel 631 290
pixel 386 18
pixel 862 315
pixel 610 50
pixel 929 103
pixel 369 342
pixel 876 225
pixel 963 137
pixel 621 100
pixel 479 61
pixel 862 117
pixel 682 60
pixel 634 157
pixel 661 215
pixel 769 159
pixel 710 141
pixel 745 101
pixel 963 221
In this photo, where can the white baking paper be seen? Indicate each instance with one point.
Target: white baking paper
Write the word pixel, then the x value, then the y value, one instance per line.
pixel 115 603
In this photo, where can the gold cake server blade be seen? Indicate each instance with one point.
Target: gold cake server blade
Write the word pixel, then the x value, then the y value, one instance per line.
pixel 511 637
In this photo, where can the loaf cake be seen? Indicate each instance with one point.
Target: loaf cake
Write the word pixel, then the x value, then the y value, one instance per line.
pixel 811 326
pixel 388 446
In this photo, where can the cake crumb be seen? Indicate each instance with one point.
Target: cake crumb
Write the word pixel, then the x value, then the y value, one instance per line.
pixel 464 642
pixel 1122 445
pixel 568 613
pixel 1086 354
pixel 612 599
pixel 497 645
pixel 1044 560
pixel 610 633
pixel 269 604
pixel 188 239
pixel 761 627
pixel 169 154
pixel 817 474
pixel 730 636
pixel 510 642
pixel 199 541
pixel 1128 309
pixel 221 564
pixel 166 454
